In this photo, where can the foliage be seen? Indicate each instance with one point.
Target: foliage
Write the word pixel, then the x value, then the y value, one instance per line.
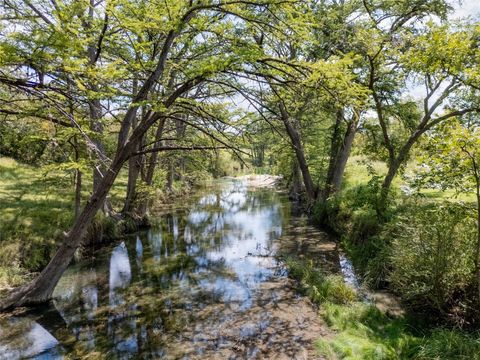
pixel 432 257
pixel 184 91
pixel 449 159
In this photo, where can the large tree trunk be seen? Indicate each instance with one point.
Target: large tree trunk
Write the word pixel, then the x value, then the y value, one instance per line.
pixel 296 186
pixel 134 167
pixel 387 184
pixel 339 155
pixel 41 289
pixel 134 171
pixel 96 127
pixel 95 112
pixel 300 155
pixel 394 167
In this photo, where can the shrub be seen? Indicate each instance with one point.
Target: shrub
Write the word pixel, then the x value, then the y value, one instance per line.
pixel 432 255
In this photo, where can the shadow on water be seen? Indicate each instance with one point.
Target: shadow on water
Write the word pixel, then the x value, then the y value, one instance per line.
pixel 205 282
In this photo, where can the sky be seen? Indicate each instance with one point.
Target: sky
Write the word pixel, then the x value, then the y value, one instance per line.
pixel 467 8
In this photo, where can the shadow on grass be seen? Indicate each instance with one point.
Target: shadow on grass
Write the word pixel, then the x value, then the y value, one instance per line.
pixel 33 211
pixel 364 332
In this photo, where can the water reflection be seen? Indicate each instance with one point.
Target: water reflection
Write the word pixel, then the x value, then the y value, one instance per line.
pixel 24 338
pixel 204 283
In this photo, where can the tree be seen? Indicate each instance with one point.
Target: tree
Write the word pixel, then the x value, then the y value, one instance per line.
pixel 432 57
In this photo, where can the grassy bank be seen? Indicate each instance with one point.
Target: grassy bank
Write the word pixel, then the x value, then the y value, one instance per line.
pixel 35 209
pixel 362 331
pixel 422 249
pixel 360 170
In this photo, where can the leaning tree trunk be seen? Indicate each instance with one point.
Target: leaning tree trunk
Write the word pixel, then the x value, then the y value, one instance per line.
pixel 394 167
pixel 334 150
pixel 41 289
pixel 151 166
pixel 339 157
pixel 300 155
pixel 296 185
pixel 134 166
pixel 96 126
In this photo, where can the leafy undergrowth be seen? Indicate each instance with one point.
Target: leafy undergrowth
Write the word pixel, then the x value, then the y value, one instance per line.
pixel 317 285
pixel 362 331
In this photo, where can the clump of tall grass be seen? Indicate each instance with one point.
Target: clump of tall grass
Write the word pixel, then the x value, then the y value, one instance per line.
pixel 364 332
pixel 317 285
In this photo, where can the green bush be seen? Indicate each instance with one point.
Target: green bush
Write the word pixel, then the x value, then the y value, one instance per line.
pixel 327 214
pixel 351 213
pixel 432 255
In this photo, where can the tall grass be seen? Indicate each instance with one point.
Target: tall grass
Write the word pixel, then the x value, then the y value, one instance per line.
pixel 319 286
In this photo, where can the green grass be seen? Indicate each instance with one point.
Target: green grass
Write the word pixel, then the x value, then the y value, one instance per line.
pixel 317 285
pixel 35 210
pixel 362 331
pixel 360 169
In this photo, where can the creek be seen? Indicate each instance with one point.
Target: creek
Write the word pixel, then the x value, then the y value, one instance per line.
pixel 206 281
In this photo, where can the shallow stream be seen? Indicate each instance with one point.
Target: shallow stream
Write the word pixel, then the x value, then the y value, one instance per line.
pixel 205 282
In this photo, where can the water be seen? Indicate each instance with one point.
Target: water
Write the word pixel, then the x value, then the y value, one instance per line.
pixel 204 282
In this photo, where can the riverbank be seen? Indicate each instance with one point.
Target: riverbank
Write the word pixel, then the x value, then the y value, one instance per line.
pixel 376 325
pixel 37 206
pixel 361 329
pixel 404 244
